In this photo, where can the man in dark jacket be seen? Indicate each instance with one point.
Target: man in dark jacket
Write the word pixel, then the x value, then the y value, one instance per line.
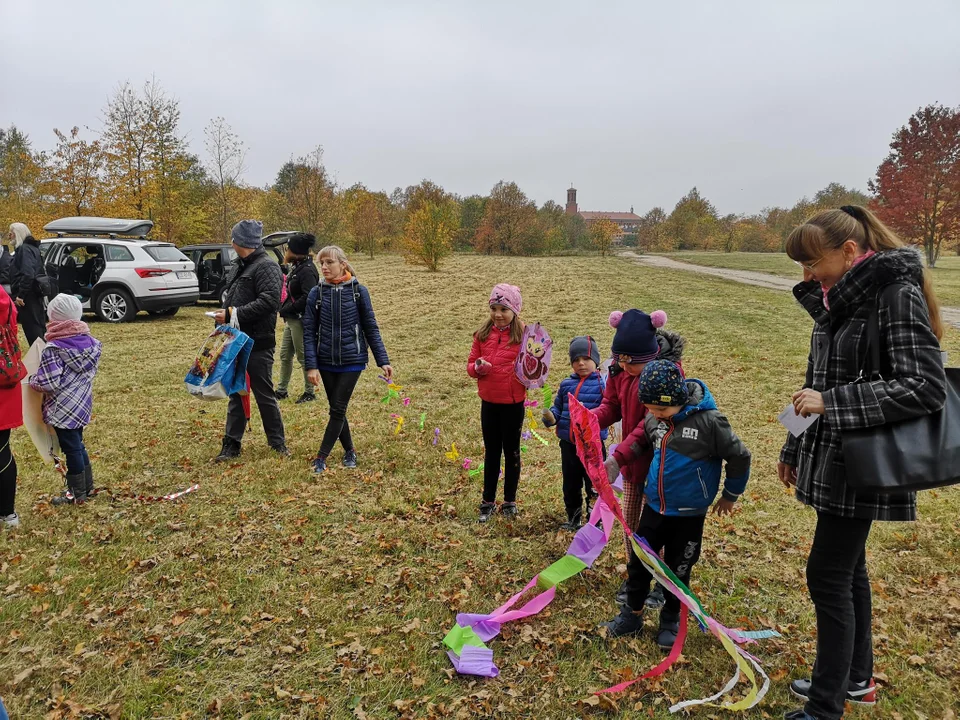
pixel 253 288
pixel 27 267
pixel 302 278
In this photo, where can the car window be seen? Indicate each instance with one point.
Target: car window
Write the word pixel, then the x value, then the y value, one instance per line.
pixel 165 253
pixel 118 253
pixel 81 253
pixel 46 249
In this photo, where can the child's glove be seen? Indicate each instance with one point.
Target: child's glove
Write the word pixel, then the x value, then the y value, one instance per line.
pixel 482 366
pixel 612 468
pixel 548 418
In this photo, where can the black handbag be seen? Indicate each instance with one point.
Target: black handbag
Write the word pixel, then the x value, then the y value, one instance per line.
pixel 921 453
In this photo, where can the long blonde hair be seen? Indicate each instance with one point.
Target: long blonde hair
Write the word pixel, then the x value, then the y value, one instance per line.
pixel 20 233
pixel 337 253
pixel 516 330
pixel 830 229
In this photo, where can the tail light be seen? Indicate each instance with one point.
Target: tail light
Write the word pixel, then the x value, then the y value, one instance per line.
pixel 151 272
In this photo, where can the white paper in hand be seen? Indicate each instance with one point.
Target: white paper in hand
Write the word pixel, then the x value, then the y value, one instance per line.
pixel 796 424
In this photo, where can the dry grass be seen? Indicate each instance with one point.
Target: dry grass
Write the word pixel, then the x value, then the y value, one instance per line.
pixel 946 275
pixel 272 593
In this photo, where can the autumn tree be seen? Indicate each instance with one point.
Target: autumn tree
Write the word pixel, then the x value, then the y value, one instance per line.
pixel 367 216
pixel 76 166
pixel 310 201
pixel 651 233
pixel 693 223
pixel 602 233
pixel 917 186
pixel 431 229
pixel 21 174
pixel 225 165
pixel 472 209
pixel 509 224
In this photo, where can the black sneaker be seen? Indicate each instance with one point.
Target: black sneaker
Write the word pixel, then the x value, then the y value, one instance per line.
pixel 573 522
pixel 655 598
pixel 626 623
pixel 622 594
pixel 859 693
pixel 509 509
pixel 800 714
pixel 282 450
pixel 305 398
pixel 350 459
pixel 669 629
pixel 230 450
pixel 486 510
pixel 281 394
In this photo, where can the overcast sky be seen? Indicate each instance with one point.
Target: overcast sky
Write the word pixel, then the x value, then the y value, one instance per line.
pixel 757 103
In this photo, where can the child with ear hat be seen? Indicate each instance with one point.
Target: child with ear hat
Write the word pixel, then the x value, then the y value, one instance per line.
pixel 68 366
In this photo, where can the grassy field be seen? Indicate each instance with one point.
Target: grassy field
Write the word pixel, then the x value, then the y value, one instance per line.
pixel 271 593
pixel 946 275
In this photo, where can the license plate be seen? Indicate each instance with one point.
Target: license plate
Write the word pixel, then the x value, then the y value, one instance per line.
pixel 185 275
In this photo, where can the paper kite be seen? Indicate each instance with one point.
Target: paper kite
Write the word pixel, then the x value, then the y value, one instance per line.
pixel 533 361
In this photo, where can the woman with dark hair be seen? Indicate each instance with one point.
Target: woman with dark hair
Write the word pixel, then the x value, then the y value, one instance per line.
pixel 853 267
pixel 302 278
pixel 27 267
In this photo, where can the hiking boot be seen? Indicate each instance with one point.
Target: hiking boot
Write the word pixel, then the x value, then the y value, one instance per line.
pixel 798 715
pixel 350 459
pixel 282 450
pixel 622 594
pixel 319 465
pixel 655 598
pixel 860 693
pixel 669 629
pixel 305 398
pixel 281 394
pixel 509 509
pixel 76 492
pixel 11 521
pixel 627 622
pixel 230 450
pixel 88 481
pixel 486 510
pixel 573 522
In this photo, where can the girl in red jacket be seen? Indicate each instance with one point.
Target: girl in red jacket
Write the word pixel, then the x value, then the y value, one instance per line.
pixel 639 339
pixel 495 349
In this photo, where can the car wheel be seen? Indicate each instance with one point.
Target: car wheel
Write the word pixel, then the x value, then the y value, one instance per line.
pixel 115 306
pixel 166 312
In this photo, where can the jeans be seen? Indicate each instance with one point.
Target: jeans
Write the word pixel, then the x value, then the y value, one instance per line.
pixel 339 387
pixel 8 475
pixel 840 590
pixel 292 345
pixel 71 443
pixel 260 370
pixel 680 539
pixel 501 425
pixel 576 482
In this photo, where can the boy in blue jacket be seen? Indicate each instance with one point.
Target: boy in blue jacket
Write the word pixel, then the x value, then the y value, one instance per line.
pixel 587 386
pixel 691 440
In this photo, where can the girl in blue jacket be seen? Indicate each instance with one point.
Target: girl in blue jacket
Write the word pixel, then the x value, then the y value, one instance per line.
pixel 339 328
pixel 587 386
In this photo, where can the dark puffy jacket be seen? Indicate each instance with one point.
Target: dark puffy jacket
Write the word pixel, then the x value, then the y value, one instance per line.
pixel 303 278
pixel 689 450
pixel 6 267
pixel 27 266
pixel 588 390
pixel 339 327
pixel 253 291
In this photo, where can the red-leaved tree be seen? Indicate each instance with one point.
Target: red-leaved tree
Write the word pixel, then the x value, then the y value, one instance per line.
pixel 917 187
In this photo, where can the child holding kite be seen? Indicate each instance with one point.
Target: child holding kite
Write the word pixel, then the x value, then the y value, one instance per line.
pixel 691 441
pixel 493 356
pixel 587 386
pixel 67 367
pixel 639 338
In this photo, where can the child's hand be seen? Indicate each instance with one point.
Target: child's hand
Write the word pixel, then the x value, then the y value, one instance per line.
pixel 612 468
pixel 482 366
pixel 548 418
pixel 723 507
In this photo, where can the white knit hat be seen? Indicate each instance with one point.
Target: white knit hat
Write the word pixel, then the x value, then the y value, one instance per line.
pixel 64 307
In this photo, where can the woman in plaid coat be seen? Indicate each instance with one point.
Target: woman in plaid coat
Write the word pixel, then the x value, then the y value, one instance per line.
pixel 852 264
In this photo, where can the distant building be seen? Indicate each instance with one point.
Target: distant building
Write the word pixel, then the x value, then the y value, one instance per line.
pixel 628 222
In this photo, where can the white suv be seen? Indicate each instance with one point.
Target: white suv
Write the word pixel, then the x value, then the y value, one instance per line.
pixel 115 271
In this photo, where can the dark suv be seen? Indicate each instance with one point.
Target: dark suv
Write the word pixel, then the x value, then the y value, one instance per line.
pixel 212 261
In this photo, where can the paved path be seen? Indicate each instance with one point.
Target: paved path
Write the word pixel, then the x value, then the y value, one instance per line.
pixel 748 277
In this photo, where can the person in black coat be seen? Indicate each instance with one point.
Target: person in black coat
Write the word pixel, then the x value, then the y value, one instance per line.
pixel 253 288
pixel 302 278
pixel 27 267
pixel 6 268
pixel 854 266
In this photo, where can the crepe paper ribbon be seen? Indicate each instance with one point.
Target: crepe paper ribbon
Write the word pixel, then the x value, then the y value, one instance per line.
pixel 384 378
pixel 526 435
pixel 538 436
pixel 466 463
pixel 756 634
pixel 423 419
pixel 530 403
pixel 453 454
pixel 399 425
pixel 406 401
pixel 533 421
pixel 547 396
pixel 436 435
pixel 148 498
pixel 476 471
pixel 391 395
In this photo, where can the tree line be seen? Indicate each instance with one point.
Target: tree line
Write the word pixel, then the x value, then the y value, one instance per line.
pixel 140 164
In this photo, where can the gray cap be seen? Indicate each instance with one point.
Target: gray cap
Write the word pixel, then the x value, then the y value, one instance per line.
pixel 584 346
pixel 247 234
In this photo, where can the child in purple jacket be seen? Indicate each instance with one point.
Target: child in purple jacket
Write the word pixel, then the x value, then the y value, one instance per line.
pixel 67 367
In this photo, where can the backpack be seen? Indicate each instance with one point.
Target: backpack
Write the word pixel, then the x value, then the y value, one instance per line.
pixel 12 370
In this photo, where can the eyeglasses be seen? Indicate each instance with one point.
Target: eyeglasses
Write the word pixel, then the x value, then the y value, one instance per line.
pixel 809 266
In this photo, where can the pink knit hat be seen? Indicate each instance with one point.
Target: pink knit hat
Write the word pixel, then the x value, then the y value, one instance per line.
pixel 508 296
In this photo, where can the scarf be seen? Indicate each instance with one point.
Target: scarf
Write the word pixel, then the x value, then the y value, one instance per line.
pixel 857 261
pixel 64 329
pixel 347 277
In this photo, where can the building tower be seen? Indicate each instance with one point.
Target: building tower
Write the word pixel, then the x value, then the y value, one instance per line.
pixel 572 201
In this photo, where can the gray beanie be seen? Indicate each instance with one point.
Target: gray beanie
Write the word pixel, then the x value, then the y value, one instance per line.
pixel 584 346
pixel 247 234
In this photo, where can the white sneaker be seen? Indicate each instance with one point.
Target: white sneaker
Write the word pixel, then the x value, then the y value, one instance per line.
pixel 11 520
